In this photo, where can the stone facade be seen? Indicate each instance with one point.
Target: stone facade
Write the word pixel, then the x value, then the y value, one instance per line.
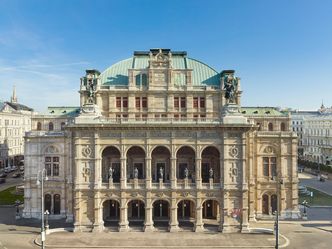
pixel 161 142
pixel 15 120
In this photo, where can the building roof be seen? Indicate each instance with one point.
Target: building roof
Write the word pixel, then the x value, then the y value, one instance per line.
pixel 202 74
pixel 262 111
pixel 68 111
pixel 18 107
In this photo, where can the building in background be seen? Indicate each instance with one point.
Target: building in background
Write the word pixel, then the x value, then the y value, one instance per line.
pixel 314 129
pixel 15 120
pixel 159 141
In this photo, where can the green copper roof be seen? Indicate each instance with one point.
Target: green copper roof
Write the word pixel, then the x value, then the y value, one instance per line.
pixel 69 111
pixel 202 74
pixel 261 111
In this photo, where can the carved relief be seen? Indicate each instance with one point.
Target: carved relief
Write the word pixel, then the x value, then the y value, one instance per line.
pixel 87 151
pixel 269 150
pixel 234 173
pixel 160 194
pixel 86 172
pixel 233 151
pixel 51 150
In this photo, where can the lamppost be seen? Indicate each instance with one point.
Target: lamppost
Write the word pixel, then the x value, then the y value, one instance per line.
pixel 304 203
pixel 276 223
pixel 41 176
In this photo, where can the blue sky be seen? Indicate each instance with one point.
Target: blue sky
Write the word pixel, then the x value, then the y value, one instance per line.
pixel 281 49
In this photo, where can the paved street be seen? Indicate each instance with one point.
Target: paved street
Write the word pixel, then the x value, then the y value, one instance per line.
pixel 312 181
pixel 11 182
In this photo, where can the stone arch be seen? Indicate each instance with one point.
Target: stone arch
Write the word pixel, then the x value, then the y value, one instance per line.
pixel 102 148
pixel 39 126
pixel 51 149
pixel 185 145
pixel 134 145
pixel 282 126
pixel 136 212
pixel 185 162
pixel 160 163
pixel 211 212
pixel 270 126
pixel 210 165
pixel 164 146
pixel 186 212
pixel 136 155
pixel 111 159
pixel 161 209
pixel 110 212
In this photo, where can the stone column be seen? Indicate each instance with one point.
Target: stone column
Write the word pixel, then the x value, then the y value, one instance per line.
pixel 148 224
pixel 148 179
pixel 198 173
pixel 221 217
pixel 98 224
pixel 173 173
pixel 225 226
pixel 77 214
pixel 245 192
pixel 199 226
pixel 123 224
pixel 97 162
pixel 123 172
pixel 173 226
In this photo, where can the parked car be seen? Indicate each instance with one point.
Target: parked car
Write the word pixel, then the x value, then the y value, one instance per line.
pixel 14 168
pixel 2 180
pixel 7 170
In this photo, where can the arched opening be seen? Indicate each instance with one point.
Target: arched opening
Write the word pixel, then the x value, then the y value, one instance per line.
pixel 270 127
pixel 50 126
pixel 265 204
pixel 210 165
pixel 160 164
pixel 39 126
pixel 57 204
pixel 111 213
pixel 211 213
pixel 48 203
pixel 186 213
pixel 63 126
pixel 282 127
pixel 135 163
pixel 185 157
pixel 274 203
pixel 161 213
pixel 136 213
pixel 111 164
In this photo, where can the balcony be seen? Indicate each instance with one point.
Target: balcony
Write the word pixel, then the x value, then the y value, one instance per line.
pixel 45 134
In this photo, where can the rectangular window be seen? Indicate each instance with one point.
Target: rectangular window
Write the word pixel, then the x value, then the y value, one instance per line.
pixel 266 166
pixel 144 102
pixel 202 102
pixel 195 102
pixel 52 166
pixel 138 102
pixel 55 169
pixel 48 169
pixel 125 102
pixel 118 102
pixel 183 102
pixel 176 102
pixel 269 166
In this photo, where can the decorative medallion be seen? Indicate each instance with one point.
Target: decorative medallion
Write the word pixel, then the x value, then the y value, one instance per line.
pixel 160 194
pixel 185 194
pixel 86 171
pixel 269 150
pixel 86 151
pixel 233 151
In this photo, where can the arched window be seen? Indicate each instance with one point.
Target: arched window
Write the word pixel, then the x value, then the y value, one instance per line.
pixel 282 127
pixel 50 126
pixel 48 203
pixel 56 204
pixel 270 127
pixel 63 126
pixel 39 126
pixel 265 204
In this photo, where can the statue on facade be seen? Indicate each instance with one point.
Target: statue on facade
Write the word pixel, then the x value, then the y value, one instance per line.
pixel 230 87
pixel 161 173
pixel 211 173
pixel 186 173
pixel 90 86
pixel 110 173
pixel 136 173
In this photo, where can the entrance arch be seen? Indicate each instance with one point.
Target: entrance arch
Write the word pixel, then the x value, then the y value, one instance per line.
pixel 136 213
pixel 211 213
pixel 111 213
pixel 136 160
pixel 265 204
pixel 186 213
pixel 185 157
pixel 210 164
pixel 111 159
pixel 161 213
pixel 160 162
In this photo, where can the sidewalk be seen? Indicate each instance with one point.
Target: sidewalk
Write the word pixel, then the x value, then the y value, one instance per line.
pixel 159 240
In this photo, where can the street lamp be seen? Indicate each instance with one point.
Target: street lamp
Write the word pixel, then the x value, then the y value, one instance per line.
pixel 276 223
pixel 41 176
pixel 304 203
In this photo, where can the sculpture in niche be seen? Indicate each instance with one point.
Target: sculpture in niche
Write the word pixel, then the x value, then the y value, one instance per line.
pixel 230 87
pixel 161 173
pixel 110 173
pixel 186 173
pixel 211 173
pixel 136 173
